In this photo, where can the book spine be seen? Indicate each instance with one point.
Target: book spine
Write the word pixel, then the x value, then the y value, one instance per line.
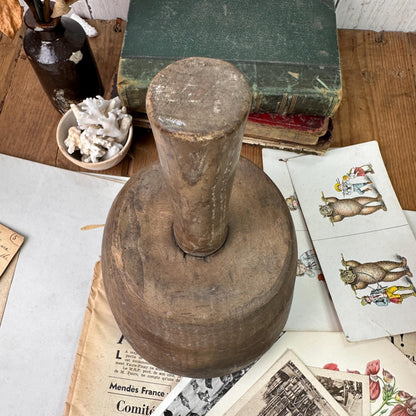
pixel 287 88
pixel 275 89
pixel 285 103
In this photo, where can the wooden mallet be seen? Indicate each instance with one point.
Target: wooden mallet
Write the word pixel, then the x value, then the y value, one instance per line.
pixel 199 251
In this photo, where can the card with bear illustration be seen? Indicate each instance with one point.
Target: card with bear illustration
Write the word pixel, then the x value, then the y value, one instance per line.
pixel 360 234
pixel 364 243
pixel 370 278
pixel 345 192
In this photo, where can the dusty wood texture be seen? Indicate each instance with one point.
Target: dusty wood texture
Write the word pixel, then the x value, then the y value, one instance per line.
pixel 379 102
pixel 28 121
pixel 22 119
pixel 198 108
pixel 9 52
pixel 20 135
pixel 194 316
pixel 218 307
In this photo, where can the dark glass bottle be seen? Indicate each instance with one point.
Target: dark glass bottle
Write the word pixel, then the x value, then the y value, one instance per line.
pixel 61 57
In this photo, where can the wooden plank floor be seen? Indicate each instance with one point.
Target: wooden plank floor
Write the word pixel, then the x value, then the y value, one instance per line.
pixel 379 103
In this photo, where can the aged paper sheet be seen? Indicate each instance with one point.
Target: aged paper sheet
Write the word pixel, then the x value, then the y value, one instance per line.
pixel 109 377
pixel 286 387
pixel 5 283
pixel 45 306
pixel 392 377
pixel 10 243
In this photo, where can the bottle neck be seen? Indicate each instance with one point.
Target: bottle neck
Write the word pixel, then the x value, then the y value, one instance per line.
pixel 33 24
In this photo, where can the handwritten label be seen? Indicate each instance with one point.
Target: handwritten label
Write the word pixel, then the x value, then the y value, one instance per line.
pixel 10 243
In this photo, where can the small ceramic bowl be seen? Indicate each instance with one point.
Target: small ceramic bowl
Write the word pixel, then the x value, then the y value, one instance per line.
pixel 68 120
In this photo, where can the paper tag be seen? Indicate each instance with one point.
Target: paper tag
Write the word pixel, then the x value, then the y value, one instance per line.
pixel 10 243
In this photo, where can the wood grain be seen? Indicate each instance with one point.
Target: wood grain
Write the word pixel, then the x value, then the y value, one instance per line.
pixel 199 144
pixel 106 48
pixel 9 52
pixel 208 316
pixel 184 247
pixel 28 119
pixel 379 102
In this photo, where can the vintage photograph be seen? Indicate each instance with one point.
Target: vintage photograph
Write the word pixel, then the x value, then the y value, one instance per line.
pixel 288 387
pixel 391 375
pixel 197 396
pixel 350 390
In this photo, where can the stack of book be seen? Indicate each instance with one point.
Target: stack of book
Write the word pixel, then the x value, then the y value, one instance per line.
pixel 288 52
pixel 293 132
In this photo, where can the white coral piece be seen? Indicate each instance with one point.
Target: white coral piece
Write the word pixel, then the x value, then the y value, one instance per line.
pixel 72 142
pixel 103 127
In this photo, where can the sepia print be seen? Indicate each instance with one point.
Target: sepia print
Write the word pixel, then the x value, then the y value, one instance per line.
pixel 286 388
pixel 350 390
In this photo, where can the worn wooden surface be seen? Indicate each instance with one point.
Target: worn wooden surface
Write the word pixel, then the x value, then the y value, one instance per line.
pixel 199 144
pixel 379 102
pixel 184 246
pixel 209 315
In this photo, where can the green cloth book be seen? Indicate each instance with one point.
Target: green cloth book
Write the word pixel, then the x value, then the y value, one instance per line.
pixel 287 49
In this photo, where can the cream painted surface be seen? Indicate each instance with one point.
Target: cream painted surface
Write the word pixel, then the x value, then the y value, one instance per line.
pixel 102 9
pixel 389 15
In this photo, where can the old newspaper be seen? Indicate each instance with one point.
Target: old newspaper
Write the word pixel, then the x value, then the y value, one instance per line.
pixel 108 376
